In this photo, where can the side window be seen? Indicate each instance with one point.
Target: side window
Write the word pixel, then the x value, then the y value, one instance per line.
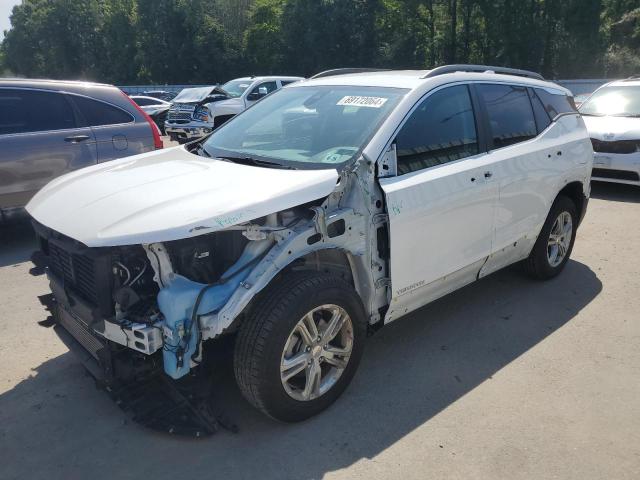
pixel 269 86
pixel 98 113
pixel 541 115
pixel 510 114
pixel 556 104
pixel 441 130
pixel 23 111
pixel 287 82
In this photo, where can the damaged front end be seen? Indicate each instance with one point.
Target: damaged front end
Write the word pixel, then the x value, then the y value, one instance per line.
pixel 138 315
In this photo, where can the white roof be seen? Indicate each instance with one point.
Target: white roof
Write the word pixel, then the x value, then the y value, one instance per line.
pixel 624 83
pixel 269 77
pixel 414 79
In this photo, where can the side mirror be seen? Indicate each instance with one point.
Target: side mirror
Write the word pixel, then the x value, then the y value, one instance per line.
pixel 388 163
pixel 262 92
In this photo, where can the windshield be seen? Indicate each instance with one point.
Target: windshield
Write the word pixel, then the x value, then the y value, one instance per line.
pixel 190 95
pixel 235 88
pixel 614 101
pixel 306 127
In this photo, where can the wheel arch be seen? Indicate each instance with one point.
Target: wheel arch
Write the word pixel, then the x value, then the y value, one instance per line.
pixel 575 192
pixel 323 259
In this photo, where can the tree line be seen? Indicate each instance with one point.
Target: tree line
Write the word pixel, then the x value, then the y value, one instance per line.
pixel 207 41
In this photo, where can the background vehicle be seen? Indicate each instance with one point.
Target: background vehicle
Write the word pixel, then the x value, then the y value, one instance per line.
pixel 330 208
pixel 197 111
pixel 49 127
pixel 157 109
pixel 612 116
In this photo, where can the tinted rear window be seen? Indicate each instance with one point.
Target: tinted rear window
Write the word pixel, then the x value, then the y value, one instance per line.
pixel 556 104
pixel 510 113
pixel 97 113
pixel 23 111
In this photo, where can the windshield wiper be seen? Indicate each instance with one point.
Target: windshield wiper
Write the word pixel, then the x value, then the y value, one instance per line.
pixel 255 162
pixel 200 150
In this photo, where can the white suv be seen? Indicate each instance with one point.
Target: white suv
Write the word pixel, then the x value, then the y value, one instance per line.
pixel 329 209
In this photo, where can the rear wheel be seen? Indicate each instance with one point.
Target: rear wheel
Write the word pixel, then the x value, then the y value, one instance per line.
pixel 300 346
pixel 554 245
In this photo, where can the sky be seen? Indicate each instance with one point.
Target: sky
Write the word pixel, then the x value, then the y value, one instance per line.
pixel 5 10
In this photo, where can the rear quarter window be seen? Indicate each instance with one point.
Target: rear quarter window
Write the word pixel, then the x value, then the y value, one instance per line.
pixel 543 120
pixel 97 113
pixel 556 104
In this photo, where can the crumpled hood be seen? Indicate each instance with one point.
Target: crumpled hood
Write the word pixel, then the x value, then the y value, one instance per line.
pixel 168 195
pixel 195 95
pixel 613 128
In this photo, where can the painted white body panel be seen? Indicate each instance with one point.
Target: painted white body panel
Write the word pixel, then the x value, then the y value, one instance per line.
pixel 168 195
pixel 440 222
pixel 612 129
pixel 530 175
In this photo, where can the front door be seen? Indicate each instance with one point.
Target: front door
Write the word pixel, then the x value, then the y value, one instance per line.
pixel 441 203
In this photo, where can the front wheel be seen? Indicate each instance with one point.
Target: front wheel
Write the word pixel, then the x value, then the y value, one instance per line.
pixel 300 346
pixel 555 243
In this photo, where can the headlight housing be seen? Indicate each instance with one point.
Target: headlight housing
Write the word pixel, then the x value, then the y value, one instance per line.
pixel 201 114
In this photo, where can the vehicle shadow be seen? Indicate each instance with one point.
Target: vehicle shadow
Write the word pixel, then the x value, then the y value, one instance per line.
pixel 17 243
pixel 615 192
pixel 56 425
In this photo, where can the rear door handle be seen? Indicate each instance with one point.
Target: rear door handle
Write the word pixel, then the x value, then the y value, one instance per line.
pixel 77 138
pixel 488 174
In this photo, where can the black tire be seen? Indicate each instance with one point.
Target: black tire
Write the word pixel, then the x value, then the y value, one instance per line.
pixel 264 333
pixel 538 265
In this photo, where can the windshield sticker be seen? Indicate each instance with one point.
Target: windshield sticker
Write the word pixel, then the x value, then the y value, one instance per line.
pixel 357 101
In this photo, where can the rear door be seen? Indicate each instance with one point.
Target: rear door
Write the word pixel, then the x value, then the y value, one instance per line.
pixel 526 152
pixel 440 204
pixel 116 131
pixel 39 140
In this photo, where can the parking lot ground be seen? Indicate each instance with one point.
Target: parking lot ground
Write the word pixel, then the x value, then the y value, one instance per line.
pixel 505 379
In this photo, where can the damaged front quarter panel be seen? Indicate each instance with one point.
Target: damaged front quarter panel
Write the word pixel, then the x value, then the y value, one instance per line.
pixel 195 311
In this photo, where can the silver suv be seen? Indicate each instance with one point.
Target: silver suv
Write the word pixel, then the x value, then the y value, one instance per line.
pixel 50 127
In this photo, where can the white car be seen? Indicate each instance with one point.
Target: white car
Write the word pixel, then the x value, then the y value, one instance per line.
pixel 197 111
pixel 331 208
pixel 612 116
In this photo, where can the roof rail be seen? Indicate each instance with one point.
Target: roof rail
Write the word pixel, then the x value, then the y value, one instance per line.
pixel 633 77
pixel 482 69
pixel 346 71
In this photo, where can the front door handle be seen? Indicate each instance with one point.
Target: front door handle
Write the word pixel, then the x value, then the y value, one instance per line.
pixel 488 174
pixel 77 138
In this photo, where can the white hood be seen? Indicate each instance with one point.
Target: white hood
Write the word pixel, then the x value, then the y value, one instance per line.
pixel 612 129
pixel 168 195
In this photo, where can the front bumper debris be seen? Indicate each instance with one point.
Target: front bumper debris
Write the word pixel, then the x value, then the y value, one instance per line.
pixel 187 131
pixel 149 397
